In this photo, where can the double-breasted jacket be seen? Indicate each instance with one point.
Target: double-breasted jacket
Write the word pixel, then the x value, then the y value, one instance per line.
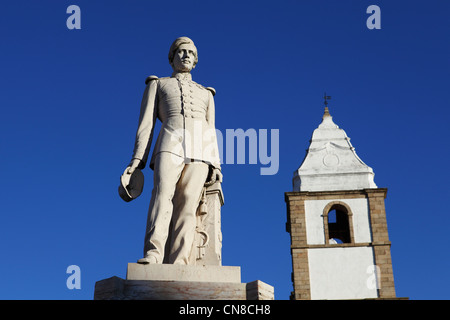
pixel 187 114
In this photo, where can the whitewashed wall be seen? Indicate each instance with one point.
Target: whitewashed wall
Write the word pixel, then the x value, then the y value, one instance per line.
pixel 341 273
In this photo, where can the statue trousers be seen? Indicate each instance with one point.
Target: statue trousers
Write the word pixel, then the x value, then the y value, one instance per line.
pixel 177 190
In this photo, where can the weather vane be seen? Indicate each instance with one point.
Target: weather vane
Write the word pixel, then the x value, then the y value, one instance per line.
pixel 325 97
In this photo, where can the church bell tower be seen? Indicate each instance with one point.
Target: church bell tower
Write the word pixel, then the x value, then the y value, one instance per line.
pixel 337 223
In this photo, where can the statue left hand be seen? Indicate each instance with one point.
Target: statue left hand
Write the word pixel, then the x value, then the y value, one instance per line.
pixel 217 174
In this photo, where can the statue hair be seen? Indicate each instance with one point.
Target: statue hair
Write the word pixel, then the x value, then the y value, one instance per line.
pixel 177 43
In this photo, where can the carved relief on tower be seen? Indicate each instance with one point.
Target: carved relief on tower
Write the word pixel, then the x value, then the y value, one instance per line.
pixel 330 159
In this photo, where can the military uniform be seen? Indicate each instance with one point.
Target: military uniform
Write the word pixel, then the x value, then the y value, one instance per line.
pixel 186 110
pixel 185 148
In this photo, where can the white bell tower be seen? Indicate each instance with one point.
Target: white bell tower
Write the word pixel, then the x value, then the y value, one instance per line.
pixel 337 222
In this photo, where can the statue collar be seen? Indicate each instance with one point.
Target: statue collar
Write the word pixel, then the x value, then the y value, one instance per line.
pixel 182 75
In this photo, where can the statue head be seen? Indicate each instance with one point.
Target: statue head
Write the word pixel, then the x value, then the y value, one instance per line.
pixel 183 55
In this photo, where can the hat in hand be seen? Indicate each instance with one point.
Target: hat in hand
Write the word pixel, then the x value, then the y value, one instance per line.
pixel 131 185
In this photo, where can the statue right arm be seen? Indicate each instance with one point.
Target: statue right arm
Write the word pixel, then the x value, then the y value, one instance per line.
pixel 146 124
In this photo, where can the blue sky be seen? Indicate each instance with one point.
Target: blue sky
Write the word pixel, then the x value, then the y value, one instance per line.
pixel 70 103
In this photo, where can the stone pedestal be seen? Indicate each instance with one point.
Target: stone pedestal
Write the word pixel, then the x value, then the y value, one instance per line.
pixel 203 279
pixel 181 282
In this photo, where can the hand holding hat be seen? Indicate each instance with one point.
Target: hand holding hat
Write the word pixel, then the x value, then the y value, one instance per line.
pixel 131 182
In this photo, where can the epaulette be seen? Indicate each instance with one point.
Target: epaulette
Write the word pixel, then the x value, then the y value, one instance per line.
pixel 150 78
pixel 213 91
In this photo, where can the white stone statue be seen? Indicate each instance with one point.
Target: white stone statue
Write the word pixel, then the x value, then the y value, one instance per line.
pixel 185 155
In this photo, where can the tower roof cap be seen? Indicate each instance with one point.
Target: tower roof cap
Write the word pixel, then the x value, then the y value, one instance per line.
pixel 331 162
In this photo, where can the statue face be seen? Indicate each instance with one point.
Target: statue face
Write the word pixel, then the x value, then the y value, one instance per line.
pixel 183 60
